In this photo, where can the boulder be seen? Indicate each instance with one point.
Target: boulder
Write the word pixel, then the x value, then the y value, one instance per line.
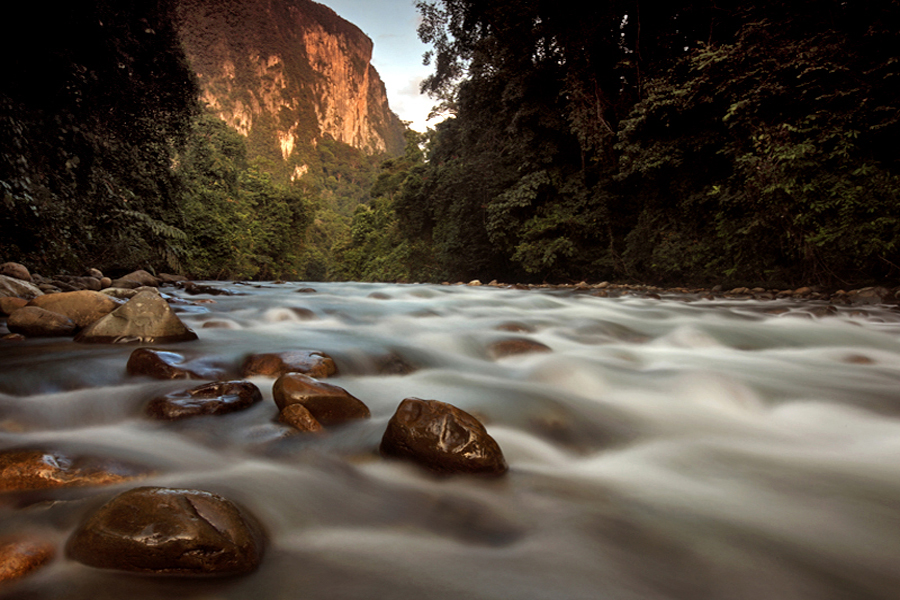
pixel 136 279
pixel 32 321
pixel 872 295
pixel 22 470
pixel 164 364
pixel 146 318
pixel 299 417
pixel 309 362
pixel 169 279
pixel 442 438
pixel 328 404
pixel 9 304
pixel 169 531
pixel 10 286
pixel 16 270
pixel 20 555
pixel 515 346
pixel 217 398
pixel 95 273
pixel 83 307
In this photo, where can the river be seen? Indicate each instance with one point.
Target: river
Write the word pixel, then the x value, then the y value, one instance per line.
pixel 673 448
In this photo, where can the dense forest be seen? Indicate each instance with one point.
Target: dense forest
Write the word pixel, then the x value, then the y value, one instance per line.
pixel 743 142
pixel 685 142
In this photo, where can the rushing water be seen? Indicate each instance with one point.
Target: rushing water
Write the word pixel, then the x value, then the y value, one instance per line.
pixel 664 449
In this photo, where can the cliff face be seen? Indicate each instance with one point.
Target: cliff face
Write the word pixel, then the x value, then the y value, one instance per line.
pixel 286 73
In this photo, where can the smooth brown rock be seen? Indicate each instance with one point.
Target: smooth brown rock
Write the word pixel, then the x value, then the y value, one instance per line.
pixel 515 346
pixel 13 337
pixel 164 364
pixel 83 307
pixel 10 304
pixel 10 286
pixel 21 555
pixel 32 321
pixel 329 404
pixel 299 417
pixel 217 398
pixel 146 318
pixel 169 531
pixel 312 363
pixel 442 438
pixel 16 270
pixel 135 279
pixel 40 470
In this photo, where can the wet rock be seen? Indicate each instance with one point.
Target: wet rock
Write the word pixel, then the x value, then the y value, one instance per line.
pixel 8 305
pixel 164 364
pixel 95 273
pixel 442 438
pixel 32 321
pixel 13 337
pixel 516 346
pixel 306 290
pixel 105 282
pixel 169 531
pixel 41 470
pixel 169 279
pixel 145 318
pixel 871 295
pixel 21 555
pixel 194 289
pixel 218 398
pixel 10 286
pixel 378 296
pixel 15 270
pixel 474 283
pixel 304 314
pixel 299 417
pixel 136 279
pixel 515 327
pixel 83 307
pixel 309 362
pixel 393 364
pixel 328 404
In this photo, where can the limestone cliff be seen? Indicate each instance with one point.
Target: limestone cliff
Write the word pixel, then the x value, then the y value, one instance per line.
pixel 286 73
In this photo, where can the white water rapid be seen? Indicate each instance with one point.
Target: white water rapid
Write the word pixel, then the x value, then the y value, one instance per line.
pixel 665 449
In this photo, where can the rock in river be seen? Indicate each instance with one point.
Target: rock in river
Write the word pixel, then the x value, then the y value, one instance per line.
pixel 28 469
pixel 442 438
pixel 312 363
pixel 145 318
pixel 82 307
pixel 32 321
pixel 20 555
pixel 169 531
pixel 328 404
pixel 163 364
pixel 11 286
pixel 217 398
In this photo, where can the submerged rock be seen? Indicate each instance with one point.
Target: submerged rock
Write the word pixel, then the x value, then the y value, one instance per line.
pixel 22 470
pixel 217 398
pixel 21 555
pixel 169 531
pixel 309 362
pixel 32 321
pixel 442 438
pixel 164 364
pixel 328 404
pixel 145 318
pixel 516 346
pixel 83 307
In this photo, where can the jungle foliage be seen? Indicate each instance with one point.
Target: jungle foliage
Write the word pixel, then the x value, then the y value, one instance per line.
pixel 696 142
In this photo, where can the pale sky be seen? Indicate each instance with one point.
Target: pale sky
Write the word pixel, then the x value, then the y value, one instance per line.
pixel 398 52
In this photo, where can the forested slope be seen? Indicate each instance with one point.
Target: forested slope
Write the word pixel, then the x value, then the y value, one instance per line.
pixel 750 142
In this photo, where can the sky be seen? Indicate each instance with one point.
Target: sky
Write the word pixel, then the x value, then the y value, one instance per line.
pixel 397 55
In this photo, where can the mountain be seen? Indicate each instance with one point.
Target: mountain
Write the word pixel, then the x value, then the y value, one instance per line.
pixel 287 74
